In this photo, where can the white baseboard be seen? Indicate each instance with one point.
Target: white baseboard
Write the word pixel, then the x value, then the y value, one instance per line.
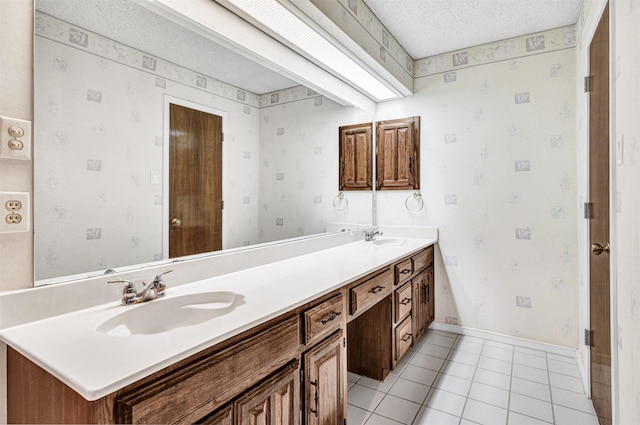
pixel 516 341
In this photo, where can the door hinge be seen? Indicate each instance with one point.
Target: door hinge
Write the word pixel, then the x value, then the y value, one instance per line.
pixel 587 84
pixel 587 210
pixel 222 205
pixel 222 135
pixel 587 337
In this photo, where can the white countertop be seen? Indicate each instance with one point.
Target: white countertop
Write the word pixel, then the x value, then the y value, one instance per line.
pixel 95 364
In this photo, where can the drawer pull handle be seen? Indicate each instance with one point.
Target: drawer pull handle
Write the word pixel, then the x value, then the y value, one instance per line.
pixel 315 398
pixel 406 337
pixel 331 317
pixel 405 301
pixel 376 289
pixel 405 271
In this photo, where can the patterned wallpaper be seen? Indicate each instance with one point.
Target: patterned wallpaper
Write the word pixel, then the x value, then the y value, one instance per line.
pixel 117 137
pixel 498 175
pixel 627 203
pixel 299 169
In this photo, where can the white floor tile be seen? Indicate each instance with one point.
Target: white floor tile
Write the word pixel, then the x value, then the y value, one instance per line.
pixel 531 407
pixel 409 390
pixel 447 402
pixel 531 373
pixel 453 384
pixel 497 353
pixel 434 350
pixel 460 370
pixel 442 333
pixel 380 420
pixel 495 379
pixel 419 374
pixel 427 362
pixel 364 398
pixel 490 395
pixel 464 357
pixel 438 339
pixel 501 345
pixel 495 365
pixel 531 352
pixel 566 382
pixel 572 400
pixel 468 346
pixel 428 416
pixel 356 415
pixel 530 389
pixel 518 419
pixel 566 416
pixel 530 360
pixel 352 377
pixel 398 409
pixel 560 358
pixel 484 413
pixel 374 384
pixel 564 368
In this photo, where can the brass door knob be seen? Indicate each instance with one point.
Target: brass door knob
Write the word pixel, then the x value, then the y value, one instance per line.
pixel 597 249
pixel 175 222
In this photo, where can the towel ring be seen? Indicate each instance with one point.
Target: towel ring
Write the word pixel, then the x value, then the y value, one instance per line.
pixel 418 201
pixel 338 200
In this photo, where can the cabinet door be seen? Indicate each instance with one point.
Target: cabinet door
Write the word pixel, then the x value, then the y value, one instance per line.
pixel 355 157
pixel 325 382
pixel 398 154
pixel 430 285
pixel 420 306
pixel 274 402
pixel 223 416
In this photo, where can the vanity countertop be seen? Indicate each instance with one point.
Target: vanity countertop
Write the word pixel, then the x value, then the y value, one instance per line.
pixel 95 364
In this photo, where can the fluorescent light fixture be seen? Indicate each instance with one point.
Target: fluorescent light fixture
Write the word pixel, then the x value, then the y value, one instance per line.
pixel 288 26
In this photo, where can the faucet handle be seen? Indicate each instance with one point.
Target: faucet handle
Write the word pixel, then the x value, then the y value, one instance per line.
pixel 159 275
pixel 129 292
pixel 158 284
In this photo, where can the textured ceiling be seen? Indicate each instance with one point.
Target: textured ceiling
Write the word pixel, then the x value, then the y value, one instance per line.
pixel 431 27
pixel 423 27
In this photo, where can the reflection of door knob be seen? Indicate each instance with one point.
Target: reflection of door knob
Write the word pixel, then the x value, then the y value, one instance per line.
pixel 597 249
pixel 176 222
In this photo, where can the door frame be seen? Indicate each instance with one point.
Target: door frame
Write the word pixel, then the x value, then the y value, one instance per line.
pixel 586 369
pixel 165 165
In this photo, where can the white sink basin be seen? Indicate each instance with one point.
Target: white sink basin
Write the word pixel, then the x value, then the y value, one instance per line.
pixel 165 314
pixel 389 241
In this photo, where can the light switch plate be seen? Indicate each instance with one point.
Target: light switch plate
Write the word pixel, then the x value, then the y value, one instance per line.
pixel 15 138
pixel 15 212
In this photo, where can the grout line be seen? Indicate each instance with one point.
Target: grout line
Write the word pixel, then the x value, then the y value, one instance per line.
pixel 553 410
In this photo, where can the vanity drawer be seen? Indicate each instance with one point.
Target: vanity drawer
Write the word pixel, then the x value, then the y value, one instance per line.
pixel 402 301
pixel 422 260
pixel 370 292
pixel 323 318
pixel 403 338
pixel 404 270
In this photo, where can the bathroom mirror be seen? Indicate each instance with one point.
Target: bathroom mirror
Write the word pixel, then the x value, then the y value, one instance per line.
pixel 105 73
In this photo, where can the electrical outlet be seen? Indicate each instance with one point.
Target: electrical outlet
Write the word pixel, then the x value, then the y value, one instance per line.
pixel 15 138
pixel 15 212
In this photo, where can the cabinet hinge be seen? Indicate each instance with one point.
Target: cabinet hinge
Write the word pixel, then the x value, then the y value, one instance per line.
pixel 587 210
pixel 587 337
pixel 344 342
pixel 301 375
pixel 587 84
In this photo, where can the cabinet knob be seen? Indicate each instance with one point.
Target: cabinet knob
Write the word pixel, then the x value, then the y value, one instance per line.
pixel 176 222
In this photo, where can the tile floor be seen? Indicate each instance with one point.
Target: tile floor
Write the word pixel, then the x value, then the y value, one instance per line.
pixel 462 380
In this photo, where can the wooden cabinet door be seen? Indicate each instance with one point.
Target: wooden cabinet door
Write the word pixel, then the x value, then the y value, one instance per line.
pixel 355 157
pixel 325 374
pixel 274 402
pixel 223 416
pixel 398 154
pixel 430 296
pixel 420 307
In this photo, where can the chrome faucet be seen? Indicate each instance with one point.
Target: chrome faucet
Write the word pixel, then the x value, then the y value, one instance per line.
pixel 150 291
pixel 371 236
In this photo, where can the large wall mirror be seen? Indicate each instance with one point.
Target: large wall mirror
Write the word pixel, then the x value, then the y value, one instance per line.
pixel 106 74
